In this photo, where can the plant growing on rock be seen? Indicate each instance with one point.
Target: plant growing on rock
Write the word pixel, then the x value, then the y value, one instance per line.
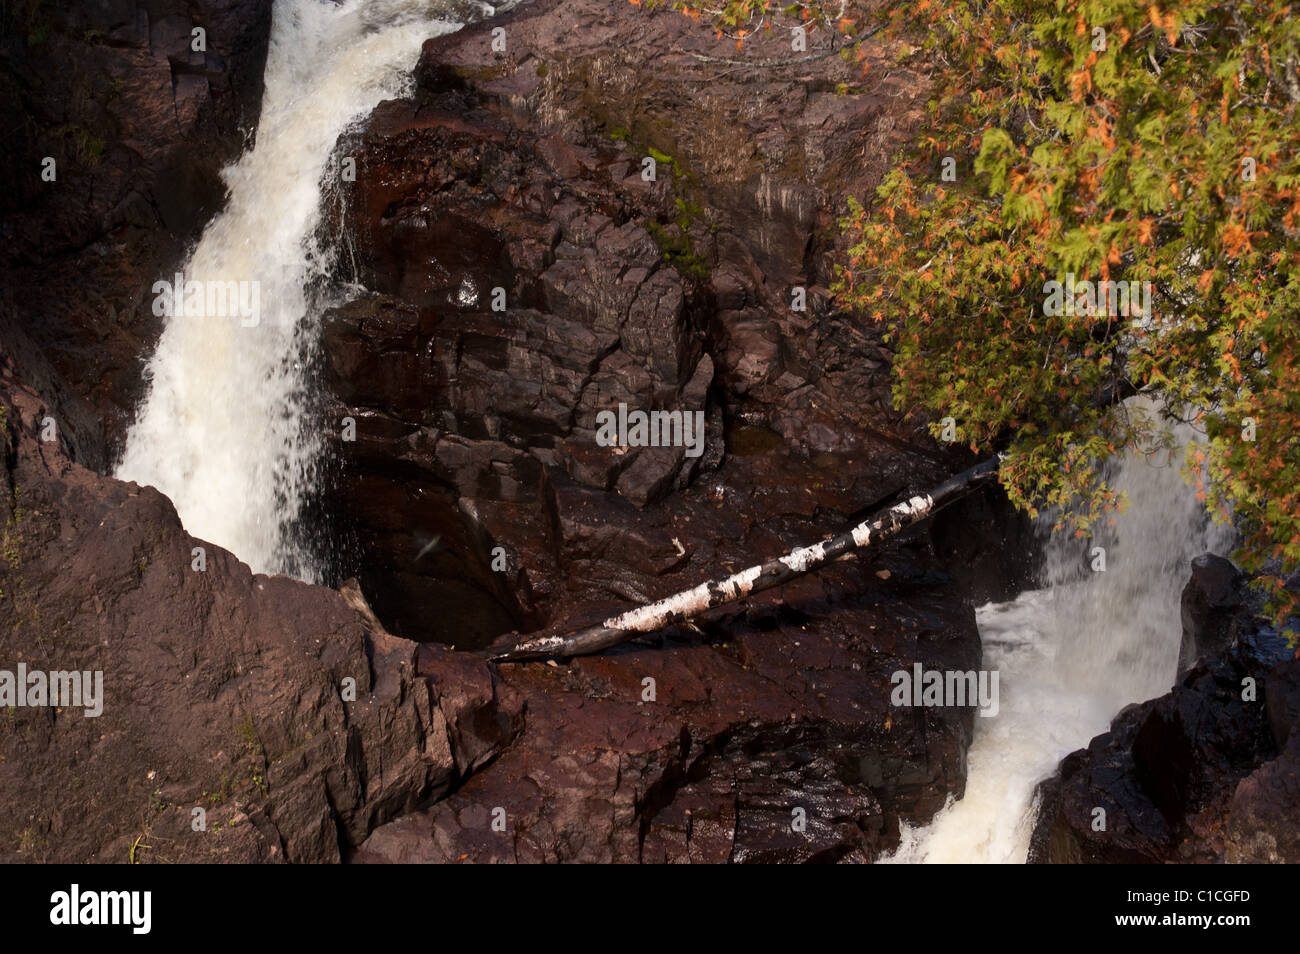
pixel 740 19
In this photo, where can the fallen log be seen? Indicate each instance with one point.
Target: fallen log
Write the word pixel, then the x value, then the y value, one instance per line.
pixel 802 560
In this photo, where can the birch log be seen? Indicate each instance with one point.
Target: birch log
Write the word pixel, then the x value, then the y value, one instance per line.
pixel 688 603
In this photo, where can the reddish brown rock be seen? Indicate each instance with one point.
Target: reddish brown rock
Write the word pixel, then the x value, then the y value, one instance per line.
pixel 522 172
pixel 139 126
pixel 223 690
pixel 475 499
pixel 505 171
pixel 1262 817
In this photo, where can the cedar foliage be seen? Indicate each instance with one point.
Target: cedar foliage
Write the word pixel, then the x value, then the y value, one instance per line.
pixel 1119 141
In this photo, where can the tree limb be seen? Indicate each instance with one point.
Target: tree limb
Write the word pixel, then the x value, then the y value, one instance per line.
pixel 798 562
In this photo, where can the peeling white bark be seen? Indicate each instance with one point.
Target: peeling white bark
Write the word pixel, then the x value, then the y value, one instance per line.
pixel 652 616
pixel 682 606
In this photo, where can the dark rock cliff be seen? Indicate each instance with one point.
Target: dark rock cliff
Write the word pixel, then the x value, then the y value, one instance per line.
pixel 226 690
pixel 222 690
pixel 138 125
pixel 522 171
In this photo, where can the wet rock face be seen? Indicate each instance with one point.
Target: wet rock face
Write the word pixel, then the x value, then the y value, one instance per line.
pixel 475 499
pixel 1210 602
pixel 525 169
pixel 464 411
pixel 524 317
pixel 766 735
pixel 1205 773
pixel 139 125
pixel 518 326
pixel 525 278
pixel 752 169
pixel 1261 826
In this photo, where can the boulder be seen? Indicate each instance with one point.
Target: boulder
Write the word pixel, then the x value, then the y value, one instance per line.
pixel 1204 773
pixel 1210 601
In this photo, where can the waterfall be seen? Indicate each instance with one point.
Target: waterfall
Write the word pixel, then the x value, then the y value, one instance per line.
pixel 227 431
pixel 226 427
pixel 1072 654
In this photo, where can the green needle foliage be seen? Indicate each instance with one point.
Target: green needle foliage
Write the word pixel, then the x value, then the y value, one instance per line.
pixel 1155 144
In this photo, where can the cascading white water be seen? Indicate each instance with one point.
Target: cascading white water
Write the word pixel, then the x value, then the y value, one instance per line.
pixel 226 432
pixel 1071 655
pixel 225 429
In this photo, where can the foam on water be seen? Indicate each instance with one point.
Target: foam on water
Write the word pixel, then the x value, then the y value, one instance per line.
pixel 226 429
pixel 1071 655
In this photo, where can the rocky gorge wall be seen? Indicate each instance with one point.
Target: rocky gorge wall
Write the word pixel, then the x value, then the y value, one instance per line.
pixel 475 499
pixel 139 125
pixel 473 425
pixel 521 171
